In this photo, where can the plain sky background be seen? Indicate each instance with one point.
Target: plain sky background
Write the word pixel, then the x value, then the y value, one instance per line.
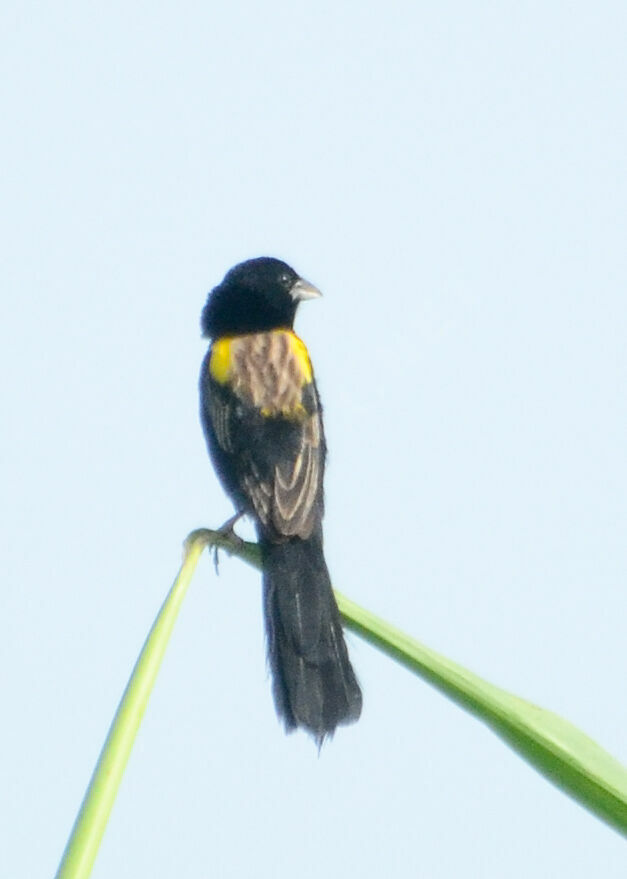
pixel 453 177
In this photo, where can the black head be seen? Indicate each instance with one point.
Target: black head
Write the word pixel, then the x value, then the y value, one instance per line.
pixel 255 296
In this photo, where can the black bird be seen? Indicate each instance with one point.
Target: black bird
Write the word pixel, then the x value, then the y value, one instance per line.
pixel 262 420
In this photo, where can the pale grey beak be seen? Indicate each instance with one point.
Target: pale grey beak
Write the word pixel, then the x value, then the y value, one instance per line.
pixel 302 290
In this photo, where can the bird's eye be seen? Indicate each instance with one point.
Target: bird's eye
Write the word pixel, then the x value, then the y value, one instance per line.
pixel 284 279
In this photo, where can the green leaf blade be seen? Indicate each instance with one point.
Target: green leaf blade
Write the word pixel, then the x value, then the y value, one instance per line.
pixel 556 748
pixel 552 745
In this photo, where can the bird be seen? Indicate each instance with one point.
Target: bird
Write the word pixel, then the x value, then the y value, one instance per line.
pixel 262 419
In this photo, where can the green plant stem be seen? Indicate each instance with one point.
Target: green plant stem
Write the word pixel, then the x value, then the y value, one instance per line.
pixel 558 750
pixel 86 835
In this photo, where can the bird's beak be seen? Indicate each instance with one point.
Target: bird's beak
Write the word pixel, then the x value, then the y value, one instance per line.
pixel 302 290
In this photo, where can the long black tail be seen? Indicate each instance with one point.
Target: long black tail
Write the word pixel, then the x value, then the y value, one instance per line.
pixel 313 681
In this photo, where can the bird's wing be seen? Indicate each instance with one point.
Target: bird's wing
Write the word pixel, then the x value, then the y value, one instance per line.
pixel 284 481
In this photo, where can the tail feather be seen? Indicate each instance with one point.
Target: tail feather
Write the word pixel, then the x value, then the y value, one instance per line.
pixel 313 681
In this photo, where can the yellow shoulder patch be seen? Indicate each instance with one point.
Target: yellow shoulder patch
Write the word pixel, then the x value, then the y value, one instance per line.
pixel 220 360
pixel 302 356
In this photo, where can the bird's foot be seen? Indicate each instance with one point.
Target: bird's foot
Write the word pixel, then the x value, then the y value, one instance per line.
pixel 226 532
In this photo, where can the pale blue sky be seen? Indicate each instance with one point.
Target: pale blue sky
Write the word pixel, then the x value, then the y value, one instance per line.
pixel 452 176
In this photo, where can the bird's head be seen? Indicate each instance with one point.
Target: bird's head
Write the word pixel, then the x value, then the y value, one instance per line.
pixel 255 296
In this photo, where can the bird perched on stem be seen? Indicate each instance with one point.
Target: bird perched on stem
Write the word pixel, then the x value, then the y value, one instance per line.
pixel 262 420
